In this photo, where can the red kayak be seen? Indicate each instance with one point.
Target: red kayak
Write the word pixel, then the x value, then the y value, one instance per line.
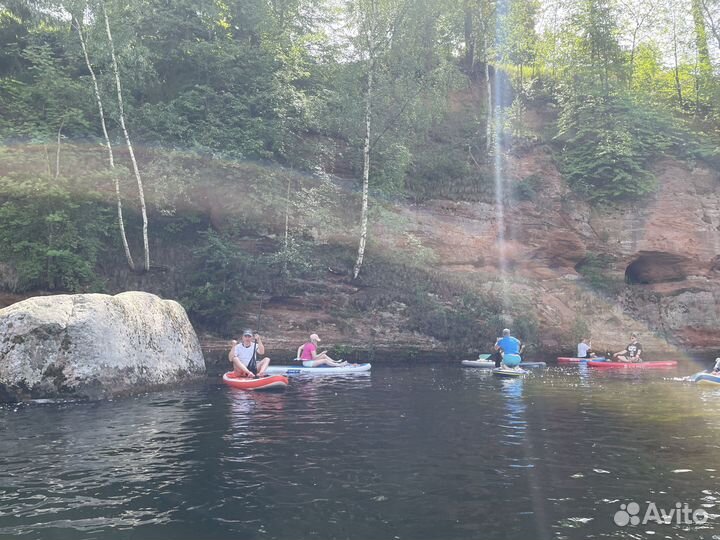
pixel 634 365
pixel 575 360
pixel 267 382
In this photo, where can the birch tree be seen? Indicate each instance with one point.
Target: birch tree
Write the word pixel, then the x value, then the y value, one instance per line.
pixel 376 22
pixel 121 114
pixel 111 159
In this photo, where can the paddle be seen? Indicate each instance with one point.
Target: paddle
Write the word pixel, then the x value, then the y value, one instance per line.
pixel 257 319
pixel 252 365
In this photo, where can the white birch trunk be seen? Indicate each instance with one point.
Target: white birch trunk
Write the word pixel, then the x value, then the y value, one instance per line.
pixel 141 191
pixel 489 132
pixel 57 153
pixel 121 222
pixel 287 226
pixel 366 165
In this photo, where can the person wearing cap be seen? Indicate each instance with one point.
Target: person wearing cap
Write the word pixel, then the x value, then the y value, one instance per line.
pixel 508 349
pixel 244 355
pixel 307 352
pixel 632 351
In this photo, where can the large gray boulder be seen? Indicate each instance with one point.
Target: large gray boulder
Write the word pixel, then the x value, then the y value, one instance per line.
pixel 92 346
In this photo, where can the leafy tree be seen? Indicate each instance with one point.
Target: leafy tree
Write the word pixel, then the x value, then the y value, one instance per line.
pixel 597 61
pixel 215 287
pixel 518 42
pixel 47 99
pixel 607 143
pixel 400 54
pixel 52 236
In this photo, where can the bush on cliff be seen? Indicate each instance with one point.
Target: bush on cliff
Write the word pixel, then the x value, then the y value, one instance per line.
pixel 52 232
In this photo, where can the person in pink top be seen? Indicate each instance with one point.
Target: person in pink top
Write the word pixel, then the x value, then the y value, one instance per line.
pixel 307 352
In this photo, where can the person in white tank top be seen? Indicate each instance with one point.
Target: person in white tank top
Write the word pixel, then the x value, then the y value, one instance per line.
pixel 241 355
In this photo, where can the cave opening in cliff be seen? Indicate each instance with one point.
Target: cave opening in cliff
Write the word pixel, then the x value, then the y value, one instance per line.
pixel 656 267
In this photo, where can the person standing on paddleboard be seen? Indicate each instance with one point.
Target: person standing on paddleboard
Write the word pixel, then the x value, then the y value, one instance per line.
pixel 631 353
pixel 244 355
pixel 509 349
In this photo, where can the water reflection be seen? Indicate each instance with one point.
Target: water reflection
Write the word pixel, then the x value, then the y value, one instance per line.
pixel 429 452
pixel 584 374
pixel 87 466
pixel 244 404
pixel 514 422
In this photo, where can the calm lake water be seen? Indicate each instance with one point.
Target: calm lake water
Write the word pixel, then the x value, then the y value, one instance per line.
pixel 402 453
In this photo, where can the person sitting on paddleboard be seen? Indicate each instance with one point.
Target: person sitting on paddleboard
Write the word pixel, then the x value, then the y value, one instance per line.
pixel 244 355
pixel 509 349
pixel 584 349
pixel 631 353
pixel 307 352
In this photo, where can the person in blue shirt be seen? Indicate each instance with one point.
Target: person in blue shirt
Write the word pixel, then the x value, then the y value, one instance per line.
pixel 509 349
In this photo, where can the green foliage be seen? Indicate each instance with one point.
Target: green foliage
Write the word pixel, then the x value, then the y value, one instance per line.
pixel 314 209
pixel 527 188
pixel 579 330
pixel 49 98
pixel 451 311
pixel 215 290
pixel 52 233
pixel 596 270
pixel 518 37
pixel 294 260
pixel 705 148
pixel 223 277
pixel 596 63
pixel 238 88
pixel 464 321
pixel 449 162
pixel 515 119
pixel 445 171
pixel 607 142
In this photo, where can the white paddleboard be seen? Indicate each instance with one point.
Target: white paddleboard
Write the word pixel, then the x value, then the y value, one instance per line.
pixel 322 370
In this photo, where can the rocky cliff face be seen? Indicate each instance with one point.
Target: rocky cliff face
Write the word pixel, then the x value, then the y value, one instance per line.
pixel 669 251
pixel 651 267
pixel 91 346
pixel 664 253
pixel 660 276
